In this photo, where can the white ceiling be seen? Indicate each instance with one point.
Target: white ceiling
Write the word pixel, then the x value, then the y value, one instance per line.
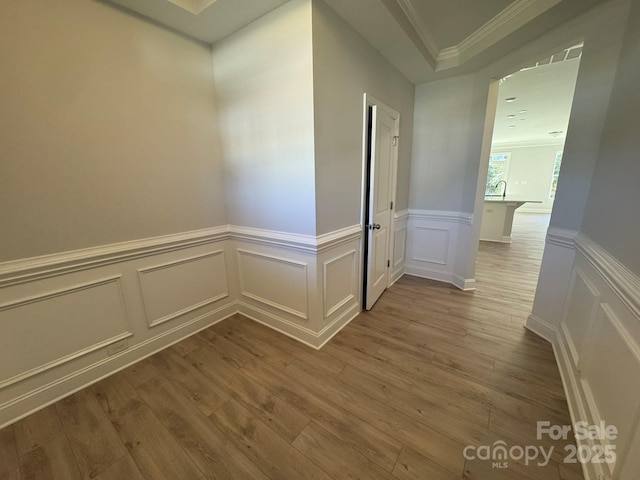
pixel 546 93
pixel 424 39
pixel 205 20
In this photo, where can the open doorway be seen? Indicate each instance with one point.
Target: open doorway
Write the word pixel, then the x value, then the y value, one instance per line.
pixel 532 118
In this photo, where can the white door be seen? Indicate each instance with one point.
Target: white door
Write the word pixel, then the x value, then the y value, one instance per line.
pixel 381 193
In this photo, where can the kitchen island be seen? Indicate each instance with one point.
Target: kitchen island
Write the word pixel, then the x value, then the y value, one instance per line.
pixel 497 217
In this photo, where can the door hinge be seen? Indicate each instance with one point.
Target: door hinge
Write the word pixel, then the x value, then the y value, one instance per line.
pixel 391 207
pixel 395 140
pixel 388 263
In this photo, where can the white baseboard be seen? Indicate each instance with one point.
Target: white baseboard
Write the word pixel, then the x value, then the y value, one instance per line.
pixel 304 335
pixel 541 328
pixel 464 284
pixel 423 272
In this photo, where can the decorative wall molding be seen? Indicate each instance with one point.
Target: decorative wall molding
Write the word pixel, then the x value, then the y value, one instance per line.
pixel 204 282
pixel 597 345
pixel 400 228
pixel 432 243
pixel 31 269
pixel 168 288
pixel 89 345
pixel 294 241
pixel 619 278
pixel 441 216
pixel 265 281
pixel 431 254
pixel 349 286
pixel 561 237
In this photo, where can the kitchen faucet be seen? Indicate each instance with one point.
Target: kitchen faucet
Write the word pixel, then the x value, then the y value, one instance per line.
pixel 504 192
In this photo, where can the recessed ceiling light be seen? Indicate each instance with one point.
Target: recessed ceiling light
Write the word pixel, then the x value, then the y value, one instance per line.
pixel 511 99
pixel 512 126
pixel 522 119
pixel 511 116
pixel 556 133
pixel 521 112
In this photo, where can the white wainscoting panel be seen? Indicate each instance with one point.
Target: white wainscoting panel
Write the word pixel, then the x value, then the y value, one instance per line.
pixel 72 318
pixel 340 282
pixel 597 346
pixel 174 288
pixel 53 327
pixel 399 244
pixel 430 245
pixel 307 296
pixel 582 305
pixel 432 239
pixel 274 281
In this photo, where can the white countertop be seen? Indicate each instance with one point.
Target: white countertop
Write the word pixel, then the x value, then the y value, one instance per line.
pixel 510 199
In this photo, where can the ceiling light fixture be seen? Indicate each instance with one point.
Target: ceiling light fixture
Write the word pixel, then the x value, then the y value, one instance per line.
pixel 511 116
pixel 521 112
pixel 512 126
pixel 511 99
pixel 556 133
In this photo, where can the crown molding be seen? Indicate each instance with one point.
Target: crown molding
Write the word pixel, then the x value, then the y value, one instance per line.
pixel 429 42
pixel 517 14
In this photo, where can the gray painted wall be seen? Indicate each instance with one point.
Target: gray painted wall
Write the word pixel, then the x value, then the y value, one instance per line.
pixel 108 129
pixel 611 217
pixel 345 66
pixel 264 85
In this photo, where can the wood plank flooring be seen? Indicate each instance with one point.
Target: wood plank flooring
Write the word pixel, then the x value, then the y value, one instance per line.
pixel 398 394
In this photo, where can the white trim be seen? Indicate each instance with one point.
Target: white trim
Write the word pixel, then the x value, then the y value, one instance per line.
pixel 504 23
pixel 401 215
pixel 441 216
pixel 541 328
pixel 464 284
pixel 354 288
pixel 421 29
pixel 622 281
pixel 561 237
pixel 301 265
pixel 171 316
pixel 29 269
pixel 35 268
pixel 302 334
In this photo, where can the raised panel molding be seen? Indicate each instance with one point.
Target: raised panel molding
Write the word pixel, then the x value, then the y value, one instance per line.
pixel 618 277
pixel 38 320
pixel 429 246
pixel 271 284
pixel 580 314
pixel 597 345
pixel 340 287
pixel 185 289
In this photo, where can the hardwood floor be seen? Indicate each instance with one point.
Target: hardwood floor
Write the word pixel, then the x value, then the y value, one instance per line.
pixel 398 394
